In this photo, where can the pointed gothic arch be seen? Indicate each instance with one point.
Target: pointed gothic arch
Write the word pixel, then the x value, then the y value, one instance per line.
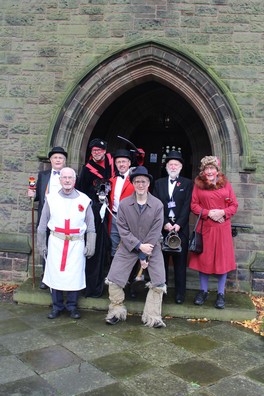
pixel 171 67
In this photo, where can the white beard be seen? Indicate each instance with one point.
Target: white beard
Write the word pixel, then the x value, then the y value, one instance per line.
pixel 173 175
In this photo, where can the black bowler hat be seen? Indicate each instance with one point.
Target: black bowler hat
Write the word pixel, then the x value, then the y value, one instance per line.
pixel 174 155
pixel 98 143
pixel 122 153
pixel 57 150
pixel 140 171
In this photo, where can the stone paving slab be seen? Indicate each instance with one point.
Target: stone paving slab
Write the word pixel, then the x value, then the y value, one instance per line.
pixel 29 386
pixel 235 359
pixel 158 381
pixel 12 325
pixel 13 369
pixel 86 357
pixel 49 359
pixel 96 346
pixel 18 342
pixel 256 374
pixel 202 372
pixel 237 386
pixel 76 379
pixel 123 364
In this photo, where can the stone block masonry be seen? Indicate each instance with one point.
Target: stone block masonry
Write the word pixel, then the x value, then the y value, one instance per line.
pixel 47 47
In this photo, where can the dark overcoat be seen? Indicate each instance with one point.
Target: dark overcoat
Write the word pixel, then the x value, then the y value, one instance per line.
pixel 91 174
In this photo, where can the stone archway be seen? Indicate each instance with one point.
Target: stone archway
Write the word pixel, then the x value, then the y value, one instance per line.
pixel 222 129
pixel 171 68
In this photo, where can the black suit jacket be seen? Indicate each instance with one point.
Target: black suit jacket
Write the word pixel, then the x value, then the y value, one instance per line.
pixel 42 183
pixel 181 195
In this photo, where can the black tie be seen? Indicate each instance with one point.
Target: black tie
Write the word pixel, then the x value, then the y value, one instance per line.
pixel 123 176
pixel 173 181
pixel 56 172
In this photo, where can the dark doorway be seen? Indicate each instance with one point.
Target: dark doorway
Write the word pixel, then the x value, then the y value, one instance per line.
pixel 156 119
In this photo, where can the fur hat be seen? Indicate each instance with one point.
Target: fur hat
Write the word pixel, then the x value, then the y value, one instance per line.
pixel 98 143
pixel 140 171
pixel 57 150
pixel 209 160
pixel 122 153
pixel 174 155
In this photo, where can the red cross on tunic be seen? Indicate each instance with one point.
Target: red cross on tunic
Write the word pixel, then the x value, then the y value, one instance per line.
pixel 67 231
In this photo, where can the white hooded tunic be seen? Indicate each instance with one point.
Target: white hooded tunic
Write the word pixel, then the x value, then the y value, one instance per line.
pixel 65 265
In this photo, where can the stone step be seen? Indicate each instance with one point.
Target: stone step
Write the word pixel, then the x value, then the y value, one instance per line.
pixel 239 306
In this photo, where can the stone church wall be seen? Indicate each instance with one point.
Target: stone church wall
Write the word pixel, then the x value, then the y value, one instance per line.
pixel 48 46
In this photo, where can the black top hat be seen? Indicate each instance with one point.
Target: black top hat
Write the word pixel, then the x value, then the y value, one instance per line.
pixel 98 143
pixel 57 150
pixel 176 155
pixel 122 153
pixel 140 171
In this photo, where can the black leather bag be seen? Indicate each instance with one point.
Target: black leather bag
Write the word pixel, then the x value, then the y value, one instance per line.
pixel 196 238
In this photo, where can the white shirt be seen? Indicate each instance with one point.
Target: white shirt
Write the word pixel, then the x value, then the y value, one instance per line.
pixel 54 182
pixel 171 187
pixel 118 189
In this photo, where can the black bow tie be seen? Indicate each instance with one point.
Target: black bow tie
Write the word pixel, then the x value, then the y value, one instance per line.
pixel 173 181
pixel 123 176
pixel 56 172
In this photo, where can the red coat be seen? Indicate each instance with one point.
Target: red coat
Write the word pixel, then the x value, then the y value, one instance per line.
pixel 127 190
pixel 218 251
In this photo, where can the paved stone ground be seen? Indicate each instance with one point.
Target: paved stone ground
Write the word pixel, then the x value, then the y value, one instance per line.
pixel 87 357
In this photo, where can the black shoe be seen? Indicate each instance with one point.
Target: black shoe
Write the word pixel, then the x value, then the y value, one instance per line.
pixel 53 314
pixel 74 314
pixel 179 299
pixel 200 298
pixel 43 286
pixel 158 325
pixel 112 321
pixel 220 301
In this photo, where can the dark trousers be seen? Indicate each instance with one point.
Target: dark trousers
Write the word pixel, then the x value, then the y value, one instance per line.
pixel 179 266
pixel 71 300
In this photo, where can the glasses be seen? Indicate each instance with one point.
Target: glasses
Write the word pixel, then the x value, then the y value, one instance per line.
pixel 143 182
pixel 67 177
pixel 97 150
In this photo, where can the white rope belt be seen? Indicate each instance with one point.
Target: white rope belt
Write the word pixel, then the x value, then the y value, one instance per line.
pixel 67 237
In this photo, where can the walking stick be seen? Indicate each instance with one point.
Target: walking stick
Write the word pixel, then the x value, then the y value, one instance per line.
pixel 32 186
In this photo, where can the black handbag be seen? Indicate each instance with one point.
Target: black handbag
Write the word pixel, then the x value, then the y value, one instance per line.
pixel 196 238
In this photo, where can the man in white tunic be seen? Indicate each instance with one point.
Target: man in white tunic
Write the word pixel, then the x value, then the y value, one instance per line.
pixel 68 215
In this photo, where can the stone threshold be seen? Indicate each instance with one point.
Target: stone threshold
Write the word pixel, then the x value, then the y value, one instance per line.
pixel 239 306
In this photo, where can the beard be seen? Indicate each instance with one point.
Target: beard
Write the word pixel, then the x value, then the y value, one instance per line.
pixel 173 174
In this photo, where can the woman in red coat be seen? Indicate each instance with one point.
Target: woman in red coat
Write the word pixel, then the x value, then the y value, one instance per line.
pixel 214 195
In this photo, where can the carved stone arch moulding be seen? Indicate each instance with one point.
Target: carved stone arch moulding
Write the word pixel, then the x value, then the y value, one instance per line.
pixel 171 67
